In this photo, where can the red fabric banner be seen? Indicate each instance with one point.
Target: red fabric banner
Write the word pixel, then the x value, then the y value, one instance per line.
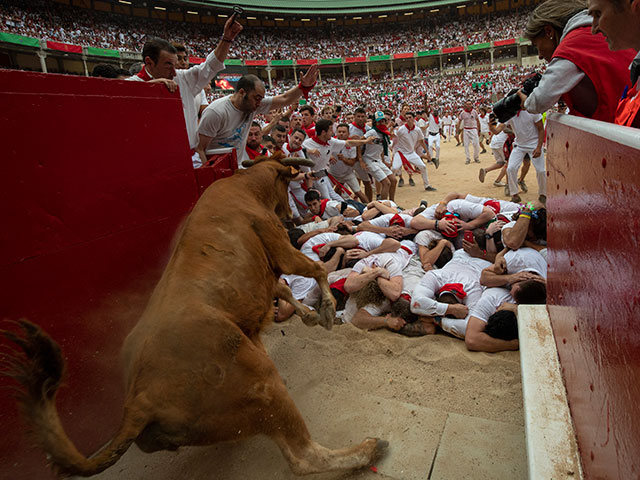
pixel 453 50
pixel 255 63
pixel 64 47
pixel 196 60
pixel 355 59
pixel 403 55
pixel 307 61
pixel 500 43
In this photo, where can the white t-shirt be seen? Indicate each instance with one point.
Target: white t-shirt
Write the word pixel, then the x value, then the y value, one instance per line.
pixel 526 259
pixel 406 140
pixel 326 237
pixel 368 241
pixel 300 286
pixel 228 126
pixel 383 220
pixel 429 212
pixel 498 140
pixel 357 131
pixel 433 126
pixel 341 169
pixel 465 209
pixel 446 120
pixel 523 125
pixel 393 262
pixel 422 125
pixel 322 160
pixel 331 209
pixel 200 100
pixel 484 123
pixel 373 151
pixel 488 304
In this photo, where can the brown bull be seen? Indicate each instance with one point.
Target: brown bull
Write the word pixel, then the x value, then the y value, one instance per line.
pixel 196 371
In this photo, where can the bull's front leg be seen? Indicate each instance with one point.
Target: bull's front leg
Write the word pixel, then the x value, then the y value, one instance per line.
pixel 309 317
pixel 290 261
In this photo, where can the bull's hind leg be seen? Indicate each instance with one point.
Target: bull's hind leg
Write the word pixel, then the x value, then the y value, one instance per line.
pixel 272 411
pixel 308 316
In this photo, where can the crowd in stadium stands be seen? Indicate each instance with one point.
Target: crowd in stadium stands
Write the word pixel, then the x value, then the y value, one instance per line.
pixel 51 21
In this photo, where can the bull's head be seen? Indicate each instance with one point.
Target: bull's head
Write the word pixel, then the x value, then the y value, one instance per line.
pixel 285 169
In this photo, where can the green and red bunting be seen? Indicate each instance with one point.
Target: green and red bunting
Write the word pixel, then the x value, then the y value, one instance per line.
pixel 502 43
pixel 196 60
pixel 403 55
pixel 281 63
pixel 19 40
pixel 103 52
pixel 453 50
pixel 356 59
pixel 307 61
pixel 64 47
pixel 255 63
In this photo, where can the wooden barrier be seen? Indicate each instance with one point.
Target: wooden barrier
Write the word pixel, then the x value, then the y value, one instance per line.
pixel 594 286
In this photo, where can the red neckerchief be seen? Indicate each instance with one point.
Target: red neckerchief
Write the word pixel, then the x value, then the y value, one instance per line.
pixel 456 289
pixel 292 151
pixel 436 119
pixel 363 128
pixel 323 206
pixel 410 129
pixel 402 118
pixel 396 220
pixel 310 129
pixel 143 74
pixel 493 205
pixel 384 129
pixel 318 141
pixel 252 153
pixel 317 248
pixel 406 296
pixel 406 249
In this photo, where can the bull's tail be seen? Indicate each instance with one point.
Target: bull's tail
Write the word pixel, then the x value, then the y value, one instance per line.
pixel 39 368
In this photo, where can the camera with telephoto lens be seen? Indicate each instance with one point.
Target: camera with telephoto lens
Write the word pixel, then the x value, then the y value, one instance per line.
pixel 509 106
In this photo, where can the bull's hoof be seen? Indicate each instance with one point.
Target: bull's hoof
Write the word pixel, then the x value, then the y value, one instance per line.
pixel 311 319
pixel 379 450
pixel 327 314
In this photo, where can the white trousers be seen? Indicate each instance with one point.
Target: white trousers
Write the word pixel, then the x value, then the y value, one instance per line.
pixel 434 142
pixel 515 160
pixel 471 137
pixel 414 159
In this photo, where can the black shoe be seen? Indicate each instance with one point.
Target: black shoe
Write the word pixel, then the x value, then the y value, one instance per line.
pixel 411 182
pixel 424 203
pixel 430 189
pixel 436 162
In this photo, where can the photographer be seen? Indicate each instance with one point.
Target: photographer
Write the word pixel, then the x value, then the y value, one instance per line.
pixel 619 21
pixel 582 71
pixel 529 132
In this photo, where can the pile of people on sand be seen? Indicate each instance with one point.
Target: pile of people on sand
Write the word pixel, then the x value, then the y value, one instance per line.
pixel 51 21
pixel 461 265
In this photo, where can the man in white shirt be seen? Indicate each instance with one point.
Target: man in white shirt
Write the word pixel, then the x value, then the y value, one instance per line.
pixel 469 125
pixel 225 123
pixel 485 133
pixel 161 60
pixel 343 168
pixel 357 129
pixel 322 145
pixel 529 132
pixel 374 154
pixel 434 131
pixel 446 122
pixel 408 139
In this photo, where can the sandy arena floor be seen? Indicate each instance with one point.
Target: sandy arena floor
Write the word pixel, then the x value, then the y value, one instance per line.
pixel 446 412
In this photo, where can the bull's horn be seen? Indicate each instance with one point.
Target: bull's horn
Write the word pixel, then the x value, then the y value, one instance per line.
pixel 248 163
pixel 297 162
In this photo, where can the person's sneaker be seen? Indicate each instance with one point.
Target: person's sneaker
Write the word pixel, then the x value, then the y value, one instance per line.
pixel 430 189
pixel 516 199
pixel 436 162
pixel 482 174
pixel 467 162
pixel 477 160
pixel 499 184
pixel 523 186
pixel 506 191
pixel 542 199
pixel 458 144
pixel 424 203
pixel 401 182
pixel 411 182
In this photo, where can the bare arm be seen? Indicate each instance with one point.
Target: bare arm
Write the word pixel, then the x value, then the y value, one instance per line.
pixel 355 281
pixel 201 148
pixel 486 215
pixel 364 320
pixel 538 151
pixel 428 257
pixel 515 236
pixel 291 96
pixel 476 340
pixel 392 288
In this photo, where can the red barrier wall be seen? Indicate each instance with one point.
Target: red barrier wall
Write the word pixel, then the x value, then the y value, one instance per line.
pixel 594 286
pixel 96 178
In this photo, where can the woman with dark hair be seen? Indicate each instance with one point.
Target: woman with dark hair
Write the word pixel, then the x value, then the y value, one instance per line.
pixel 582 70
